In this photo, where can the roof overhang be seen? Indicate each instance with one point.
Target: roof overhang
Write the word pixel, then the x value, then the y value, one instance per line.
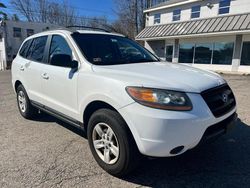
pixel 222 25
pixel 169 4
pixel 198 35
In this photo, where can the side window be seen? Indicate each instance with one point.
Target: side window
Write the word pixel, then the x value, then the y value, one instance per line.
pixel 25 48
pixel 59 46
pixel 37 48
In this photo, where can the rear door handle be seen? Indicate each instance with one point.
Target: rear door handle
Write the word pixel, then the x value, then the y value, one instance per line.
pixel 22 68
pixel 45 76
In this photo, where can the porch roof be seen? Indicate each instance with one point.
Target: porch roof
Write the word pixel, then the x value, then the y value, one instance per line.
pixel 216 25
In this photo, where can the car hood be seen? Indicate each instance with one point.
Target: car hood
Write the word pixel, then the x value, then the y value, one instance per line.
pixel 162 75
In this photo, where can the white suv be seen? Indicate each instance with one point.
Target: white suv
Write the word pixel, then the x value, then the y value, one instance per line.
pixel 127 100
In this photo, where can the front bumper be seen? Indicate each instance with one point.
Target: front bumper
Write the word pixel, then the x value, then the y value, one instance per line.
pixel 158 132
pixel 220 128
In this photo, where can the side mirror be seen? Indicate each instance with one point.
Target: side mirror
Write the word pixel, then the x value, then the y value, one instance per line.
pixel 63 60
pixel 74 64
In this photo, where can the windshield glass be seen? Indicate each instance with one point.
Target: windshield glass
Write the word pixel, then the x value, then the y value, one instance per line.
pixel 102 49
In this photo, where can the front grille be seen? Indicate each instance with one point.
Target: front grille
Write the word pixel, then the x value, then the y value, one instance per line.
pixel 220 100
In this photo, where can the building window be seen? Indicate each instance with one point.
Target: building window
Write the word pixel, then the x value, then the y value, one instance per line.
pixel 157 18
pixel 186 53
pixel 224 6
pixel 30 32
pixel 203 53
pixel 223 53
pixel 220 53
pixel 195 11
pixel 245 56
pixel 17 32
pixel 177 15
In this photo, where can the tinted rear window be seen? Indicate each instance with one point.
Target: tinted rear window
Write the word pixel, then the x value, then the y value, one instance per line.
pixel 37 48
pixel 25 48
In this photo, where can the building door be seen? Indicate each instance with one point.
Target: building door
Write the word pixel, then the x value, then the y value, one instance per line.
pixel 169 53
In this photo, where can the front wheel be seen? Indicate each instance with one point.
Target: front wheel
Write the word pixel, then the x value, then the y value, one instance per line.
pixel 111 143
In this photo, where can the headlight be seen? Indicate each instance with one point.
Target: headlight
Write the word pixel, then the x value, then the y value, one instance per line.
pixel 161 99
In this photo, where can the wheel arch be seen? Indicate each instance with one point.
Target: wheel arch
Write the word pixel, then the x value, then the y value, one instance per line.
pixel 93 107
pixel 17 83
pixel 99 104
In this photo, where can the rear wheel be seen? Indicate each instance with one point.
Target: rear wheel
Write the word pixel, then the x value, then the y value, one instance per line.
pixel 111 143
pixel 24 105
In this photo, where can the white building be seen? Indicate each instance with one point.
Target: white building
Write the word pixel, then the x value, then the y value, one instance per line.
pixel 209 34
pixel 12 34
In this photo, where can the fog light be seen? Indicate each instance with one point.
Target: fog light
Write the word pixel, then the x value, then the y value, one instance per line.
pixel 176 150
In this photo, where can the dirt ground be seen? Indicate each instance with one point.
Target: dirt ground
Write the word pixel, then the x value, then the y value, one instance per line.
pixel 48 153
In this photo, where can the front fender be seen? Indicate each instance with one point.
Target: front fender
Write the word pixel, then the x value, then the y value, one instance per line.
pixel 116 104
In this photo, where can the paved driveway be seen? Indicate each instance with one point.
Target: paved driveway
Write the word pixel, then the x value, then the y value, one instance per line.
pixel 48 153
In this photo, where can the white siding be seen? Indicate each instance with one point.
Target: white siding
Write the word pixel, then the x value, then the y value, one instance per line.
pixel 237 6
pixel 3 59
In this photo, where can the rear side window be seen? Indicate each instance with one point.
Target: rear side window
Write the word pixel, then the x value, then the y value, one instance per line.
pixel 25 48
pixel 37 48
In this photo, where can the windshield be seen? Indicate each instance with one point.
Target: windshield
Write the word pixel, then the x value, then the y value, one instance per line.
pixel 102 49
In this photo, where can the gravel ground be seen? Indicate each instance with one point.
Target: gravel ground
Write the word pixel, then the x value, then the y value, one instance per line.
pixel 48 153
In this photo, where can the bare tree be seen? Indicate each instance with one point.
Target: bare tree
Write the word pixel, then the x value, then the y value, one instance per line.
pixel 42 8
pixel 24 8
pixel 49 11
pixel 46 11
pixel 131 19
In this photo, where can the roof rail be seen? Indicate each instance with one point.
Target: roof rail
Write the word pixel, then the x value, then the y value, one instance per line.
pixel 87 28
pixel 61 28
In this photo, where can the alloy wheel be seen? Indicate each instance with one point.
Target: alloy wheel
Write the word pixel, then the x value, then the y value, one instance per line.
pixel 105 143
pixel 22 101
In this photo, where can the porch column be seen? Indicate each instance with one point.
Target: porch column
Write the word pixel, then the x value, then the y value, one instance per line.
pixel 3 62
pixel 237 53
pixel 176 51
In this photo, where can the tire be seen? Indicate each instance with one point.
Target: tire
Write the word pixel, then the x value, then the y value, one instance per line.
pixel 128 153
pixel 24 105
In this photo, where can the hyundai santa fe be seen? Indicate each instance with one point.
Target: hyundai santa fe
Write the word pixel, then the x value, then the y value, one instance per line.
pixel 129 102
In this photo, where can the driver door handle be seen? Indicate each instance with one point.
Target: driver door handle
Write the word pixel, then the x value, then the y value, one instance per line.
pixel 45 76
pixel 22 68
